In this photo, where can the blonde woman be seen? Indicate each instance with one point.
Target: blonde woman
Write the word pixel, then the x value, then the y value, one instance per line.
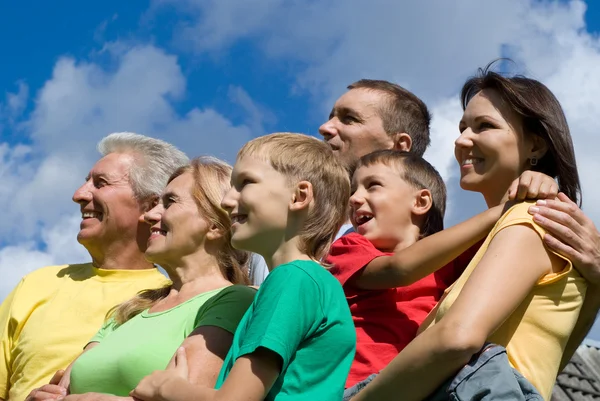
pixel 190 239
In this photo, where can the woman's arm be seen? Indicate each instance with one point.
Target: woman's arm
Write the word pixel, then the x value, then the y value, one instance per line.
pixel 497 286
pixel 424 257
pixel 206 348
pixel 250 379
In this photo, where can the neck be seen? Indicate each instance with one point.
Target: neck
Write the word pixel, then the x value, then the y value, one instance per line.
pixel 199 272
pixel 495 197
pixel 287 252
pixel 409 237
pixel 119 256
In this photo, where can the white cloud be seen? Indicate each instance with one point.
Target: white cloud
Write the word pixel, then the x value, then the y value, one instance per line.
pixel 77 106
pixel 430 48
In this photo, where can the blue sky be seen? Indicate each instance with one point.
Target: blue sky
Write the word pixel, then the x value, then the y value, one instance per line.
pixel 208 75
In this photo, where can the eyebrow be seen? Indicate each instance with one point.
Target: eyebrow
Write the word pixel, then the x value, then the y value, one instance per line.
pixel 479 118
pixel 343 110
pixel 169 194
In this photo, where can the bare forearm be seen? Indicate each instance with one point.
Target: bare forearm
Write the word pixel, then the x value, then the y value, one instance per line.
pixel 424 257
pixel 183 390
pixel 424 365
pixel 586 319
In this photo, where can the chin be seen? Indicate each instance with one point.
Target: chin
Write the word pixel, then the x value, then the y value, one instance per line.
pixel 470 185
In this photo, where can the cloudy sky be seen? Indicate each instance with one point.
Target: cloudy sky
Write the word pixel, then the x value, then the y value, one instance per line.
pixel 207 75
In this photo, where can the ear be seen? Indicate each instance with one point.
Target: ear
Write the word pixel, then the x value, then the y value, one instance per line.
pixel 402 141
pixel 539 147
pixel 302 196
pixel 423 202
pixel 214 233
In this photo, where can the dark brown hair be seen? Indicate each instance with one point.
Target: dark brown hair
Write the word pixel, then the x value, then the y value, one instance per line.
pixel 420 174
pixel 541 115
pixel 402 112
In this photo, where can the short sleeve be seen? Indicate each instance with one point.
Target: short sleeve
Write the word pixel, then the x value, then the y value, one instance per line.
pixel 108 327
pixel 7 332
pixel 519 214
pixel 258 269
pixel 287 309
pixel 349 254
pixel 226 309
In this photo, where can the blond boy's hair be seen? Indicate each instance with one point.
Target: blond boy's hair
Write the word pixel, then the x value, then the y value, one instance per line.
pixel 304 158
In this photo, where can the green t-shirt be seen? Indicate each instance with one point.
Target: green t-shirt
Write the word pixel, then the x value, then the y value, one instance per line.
pixel 147 342
pixel 300 312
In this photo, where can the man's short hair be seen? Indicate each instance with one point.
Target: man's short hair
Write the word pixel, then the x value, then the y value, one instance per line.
pixel 420 174
pixel 154 161
pixel 402 112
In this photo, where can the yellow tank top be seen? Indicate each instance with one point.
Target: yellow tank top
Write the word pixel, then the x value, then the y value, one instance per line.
pixel 536 333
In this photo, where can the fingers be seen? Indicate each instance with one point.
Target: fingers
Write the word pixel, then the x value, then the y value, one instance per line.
pixel 566 199
pixel 524 186
pixel 512 190
pixel 558 210
pixel 561 248
pixel 47 392
pixel 560 225
pixel 57 377
pixel 181 362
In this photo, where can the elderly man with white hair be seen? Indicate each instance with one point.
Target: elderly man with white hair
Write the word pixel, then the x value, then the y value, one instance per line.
pixel 53 312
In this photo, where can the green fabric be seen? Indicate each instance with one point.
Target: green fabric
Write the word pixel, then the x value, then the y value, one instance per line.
pixel 147 342
pixel 300 312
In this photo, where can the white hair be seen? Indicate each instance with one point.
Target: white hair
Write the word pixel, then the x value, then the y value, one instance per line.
pixel 154 160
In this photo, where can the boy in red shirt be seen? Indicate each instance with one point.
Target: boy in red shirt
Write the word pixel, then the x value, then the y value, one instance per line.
pixel 391 281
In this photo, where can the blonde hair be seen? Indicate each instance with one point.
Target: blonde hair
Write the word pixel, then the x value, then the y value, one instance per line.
pixel 304 158
pixel 211 181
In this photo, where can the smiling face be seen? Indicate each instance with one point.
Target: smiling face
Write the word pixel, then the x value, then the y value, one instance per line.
pixel 258 204
pixel 176 225
pixel 110 212
pixel 381 206
pixel 491 150
pixel 355 127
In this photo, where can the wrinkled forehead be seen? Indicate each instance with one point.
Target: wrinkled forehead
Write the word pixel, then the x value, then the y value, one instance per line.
pixel 362 99
pixel 113 165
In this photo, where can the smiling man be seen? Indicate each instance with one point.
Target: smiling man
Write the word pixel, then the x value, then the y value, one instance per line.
pixel 53 312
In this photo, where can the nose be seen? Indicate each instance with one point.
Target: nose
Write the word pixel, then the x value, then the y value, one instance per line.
pixel 328 129
pixel 83 194
pixel 464 140
pixel 357 199
pixel 229 201
pixel 153 215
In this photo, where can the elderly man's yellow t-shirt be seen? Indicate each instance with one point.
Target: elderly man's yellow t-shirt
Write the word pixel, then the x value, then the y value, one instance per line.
pixel 51 315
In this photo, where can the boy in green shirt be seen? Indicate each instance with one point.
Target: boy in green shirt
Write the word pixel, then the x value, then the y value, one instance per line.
pixel 297 340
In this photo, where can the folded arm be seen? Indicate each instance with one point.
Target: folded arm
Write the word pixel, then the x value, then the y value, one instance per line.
pixel 494 290
pixel 424 257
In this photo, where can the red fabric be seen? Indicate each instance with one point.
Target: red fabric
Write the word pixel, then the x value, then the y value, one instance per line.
pixel 385 320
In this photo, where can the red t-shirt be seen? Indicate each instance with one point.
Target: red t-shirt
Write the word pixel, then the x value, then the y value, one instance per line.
pixel 385 320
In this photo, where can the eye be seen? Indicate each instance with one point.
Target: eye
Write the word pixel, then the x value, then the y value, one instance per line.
pixel 99 183
pixel 168 202
pixel 348 119
pixel 485 125
pixel 372 185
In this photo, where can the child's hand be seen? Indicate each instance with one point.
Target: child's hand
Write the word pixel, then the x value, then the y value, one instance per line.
pixel 152 387
pixel 533 185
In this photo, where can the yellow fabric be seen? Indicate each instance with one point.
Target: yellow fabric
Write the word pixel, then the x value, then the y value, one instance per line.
pixel 51 315
pixel 536 333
